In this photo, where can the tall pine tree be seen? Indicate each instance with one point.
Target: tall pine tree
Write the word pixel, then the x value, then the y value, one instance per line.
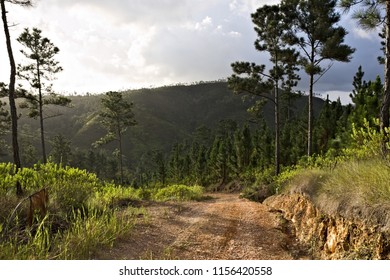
pixel 271 26
pixel 42 68
pixel 314 31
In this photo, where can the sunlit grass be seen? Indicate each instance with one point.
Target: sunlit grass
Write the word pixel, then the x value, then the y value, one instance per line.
pixel 367 181
pixel 88 232
pixel 351 182
pixel 87 235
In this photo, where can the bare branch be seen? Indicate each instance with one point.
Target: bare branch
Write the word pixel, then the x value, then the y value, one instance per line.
pixel 323 73
pixel 26 3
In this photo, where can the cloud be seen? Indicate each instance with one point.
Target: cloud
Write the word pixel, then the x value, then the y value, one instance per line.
pixel 108 45
pixel 145 12
pixel 200 50
pixel 137 43
pixel 207 22
pixel 246 7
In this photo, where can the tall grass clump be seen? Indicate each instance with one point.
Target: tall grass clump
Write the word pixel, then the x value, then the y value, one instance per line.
pixel 363 171
pixel 27 245
pixel 90 233
pixel 367 181
pixel 309 181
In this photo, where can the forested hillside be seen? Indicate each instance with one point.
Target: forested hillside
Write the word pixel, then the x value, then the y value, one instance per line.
pixel 165 117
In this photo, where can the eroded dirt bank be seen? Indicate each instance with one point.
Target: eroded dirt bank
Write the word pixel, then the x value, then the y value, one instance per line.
pixel 358 232
pixel 222 227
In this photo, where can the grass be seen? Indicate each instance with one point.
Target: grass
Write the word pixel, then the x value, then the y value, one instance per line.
pixel 91 234
pixel 353 186
pixel 86 233
pixel 366 180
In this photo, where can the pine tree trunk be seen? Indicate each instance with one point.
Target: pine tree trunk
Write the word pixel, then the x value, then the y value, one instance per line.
pixel 11 95
pixel 277 131
pixel 120 154
pixel 310 119
pixel 384 112
pixel 40 101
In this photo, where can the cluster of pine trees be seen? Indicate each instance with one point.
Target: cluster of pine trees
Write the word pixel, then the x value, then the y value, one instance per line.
pixel 234 152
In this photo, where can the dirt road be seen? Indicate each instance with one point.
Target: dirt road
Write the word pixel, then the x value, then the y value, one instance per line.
pixel 223 227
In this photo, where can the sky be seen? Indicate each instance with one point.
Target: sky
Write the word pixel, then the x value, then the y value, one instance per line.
pixel 128 44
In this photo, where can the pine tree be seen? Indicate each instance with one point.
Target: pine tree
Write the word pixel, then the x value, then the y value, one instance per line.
pixel 175 164
pixel 366 97
pixel 116 117
pixel 261 156
pixel 61 149
pixel 242 149
pixel 161 166
pixel 376 13
pixel 219 159
pixel 200 165
pixel 42 68
pixel 327 126
pixel 314 31
pixel 294 139
pixel 12 83
pixel 271 26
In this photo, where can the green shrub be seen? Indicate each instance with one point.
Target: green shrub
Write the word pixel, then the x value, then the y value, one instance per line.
pixel 144 193
pixel 179 193
pixel 110 193
pixel 7 178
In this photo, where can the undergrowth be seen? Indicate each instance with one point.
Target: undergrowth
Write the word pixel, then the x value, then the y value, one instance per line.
pixel 356 175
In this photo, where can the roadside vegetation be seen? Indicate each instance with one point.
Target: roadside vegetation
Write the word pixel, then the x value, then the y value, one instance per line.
pixel 84 213
pixel 357 178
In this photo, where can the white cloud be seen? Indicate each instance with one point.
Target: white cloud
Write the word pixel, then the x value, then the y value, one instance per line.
pixel 364 34
pixel 235 34
pixel 207 22
pixel 246 7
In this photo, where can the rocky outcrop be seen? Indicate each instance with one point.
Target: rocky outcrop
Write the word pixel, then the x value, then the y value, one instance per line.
pixel 358 233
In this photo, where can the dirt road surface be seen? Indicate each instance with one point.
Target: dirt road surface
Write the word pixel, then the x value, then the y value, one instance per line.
pixel 222 227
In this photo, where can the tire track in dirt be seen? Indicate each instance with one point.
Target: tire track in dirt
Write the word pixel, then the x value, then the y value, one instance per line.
pixel 224 227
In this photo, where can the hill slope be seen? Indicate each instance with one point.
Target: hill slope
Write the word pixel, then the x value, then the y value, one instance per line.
pixel 165 115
